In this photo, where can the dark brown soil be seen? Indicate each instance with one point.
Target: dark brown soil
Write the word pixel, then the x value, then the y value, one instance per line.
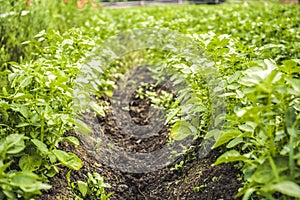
pixel 218 182
pixel 211 183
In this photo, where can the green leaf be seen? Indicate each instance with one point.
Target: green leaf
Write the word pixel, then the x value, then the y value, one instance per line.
pixel 290 66
pixel 68 159
pixel 172 114
pixel 220 118
pixel 248 193
pixel 24 110
pixel 98 109
pixel 25 82
pixel 14 143
pixel 52 171
pixel 42 147
pixel 234 77
pixel 249 81
pixel 264 172
pixel 22 124
pixel 67 42
pixel 28 182
pixel 22 96
pixel 181 130
pixel 226 136
pixel 40 34
pixel 248 127
pixel 235 142
pixel 270 64
pixel 72 140
pixel 82 187
pixel 295 83
pixel 230 156
pixel 290 117
pixel 30 162
pixel 227 94
pixel 289 188
pixel 216 133
pixel 3 166
pixel 82 127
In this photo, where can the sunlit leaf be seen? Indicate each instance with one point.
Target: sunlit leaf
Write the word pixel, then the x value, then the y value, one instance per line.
pixel 42 147
pixel 181 130
pixel 82 127
pixel 289 188
pixel 72 140
pixel 98 109
pixel 230 156
pixel 82 187
pixel 68 159
pixel 235 142
pixel 226 136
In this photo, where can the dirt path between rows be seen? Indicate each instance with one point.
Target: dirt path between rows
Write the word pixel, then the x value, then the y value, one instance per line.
pixel 219 182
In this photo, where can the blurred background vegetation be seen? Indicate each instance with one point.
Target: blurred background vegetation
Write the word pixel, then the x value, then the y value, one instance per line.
pixel 21 20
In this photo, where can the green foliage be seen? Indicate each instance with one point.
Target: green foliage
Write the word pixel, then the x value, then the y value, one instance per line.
pixel 178 166
pixel 263 130
pixel 93 189
pixel 14 183
pixel 36 107
pixel 20 23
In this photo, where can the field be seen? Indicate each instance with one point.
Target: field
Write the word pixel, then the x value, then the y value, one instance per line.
pixel 163 102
